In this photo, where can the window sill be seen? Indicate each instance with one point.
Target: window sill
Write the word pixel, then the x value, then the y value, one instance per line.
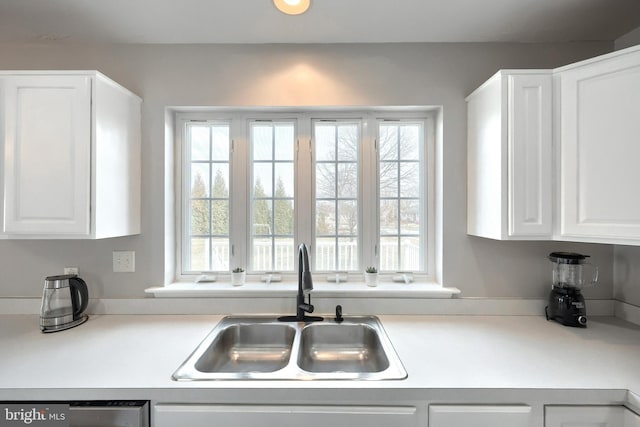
pixel 326 290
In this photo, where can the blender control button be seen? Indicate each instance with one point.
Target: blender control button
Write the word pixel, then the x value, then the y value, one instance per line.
pixel 582 320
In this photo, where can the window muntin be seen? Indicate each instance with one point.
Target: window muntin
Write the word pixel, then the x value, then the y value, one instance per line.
pixel 336 184
pixel 272 196
pixel 206 233
pixel 401 219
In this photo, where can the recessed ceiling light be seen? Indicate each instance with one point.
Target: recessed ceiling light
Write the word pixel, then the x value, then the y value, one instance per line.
pixel 292 7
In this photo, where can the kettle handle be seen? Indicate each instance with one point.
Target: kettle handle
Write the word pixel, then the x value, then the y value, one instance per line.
pixel 79 295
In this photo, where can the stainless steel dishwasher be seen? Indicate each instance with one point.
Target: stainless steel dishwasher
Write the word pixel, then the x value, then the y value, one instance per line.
pixel 102 413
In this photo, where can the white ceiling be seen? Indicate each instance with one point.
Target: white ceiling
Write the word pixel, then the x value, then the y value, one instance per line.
pixel 327 21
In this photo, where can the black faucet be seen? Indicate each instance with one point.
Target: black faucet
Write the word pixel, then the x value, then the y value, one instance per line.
pixel 305 286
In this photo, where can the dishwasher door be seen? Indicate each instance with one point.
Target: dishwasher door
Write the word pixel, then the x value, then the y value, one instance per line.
pixel 109 414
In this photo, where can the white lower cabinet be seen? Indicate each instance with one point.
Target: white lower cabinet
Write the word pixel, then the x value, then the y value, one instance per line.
pixel 590 416
pixel 480 415
pixel 170 415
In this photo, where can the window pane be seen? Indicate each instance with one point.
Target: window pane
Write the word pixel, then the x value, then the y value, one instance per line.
pixel 337 146
pixel 410 253
pixel 207 198
pixel 325 217
pixel 284 142
pixel 199 142
pixel 401 182
pixel 200 217
pixel 220 217
pixel 325 142
pixel 348 180
pixel 326 254
pixel 284 179
pixel 410 217
pixel 272 199
pixel 262 217
pixel 262 184
pixel 388 179
pixel 409 180
pixel 347 218
pixel 348 142
pixel 388 146
pixel 286 255
pixel 199 251
pixel 388 217
pixel 262 142
pixel 220 173
pixel 284 218
pixel 262 254
pixel 199 180
pixel 220 256
pixel 326 180
pixel 389 254
pixel 220 142
pixel 347 254
pixel 410 142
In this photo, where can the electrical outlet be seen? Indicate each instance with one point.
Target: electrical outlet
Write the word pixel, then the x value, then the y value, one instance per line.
pixel 71 270
pixel 124 261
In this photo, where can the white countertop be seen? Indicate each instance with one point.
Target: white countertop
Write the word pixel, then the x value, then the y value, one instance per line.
pixel 140 352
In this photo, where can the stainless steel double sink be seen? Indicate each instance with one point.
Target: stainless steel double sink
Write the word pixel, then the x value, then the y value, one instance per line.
pixel 262 348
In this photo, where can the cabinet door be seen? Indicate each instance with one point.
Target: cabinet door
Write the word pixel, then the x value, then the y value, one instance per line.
pixel 283 416
pixel 589 416
pixel 479 415
pixel 509 157
pixel 530 155
pixel 600 107
pixel 47 149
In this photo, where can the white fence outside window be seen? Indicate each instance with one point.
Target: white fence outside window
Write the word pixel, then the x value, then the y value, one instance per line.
pixel 287 256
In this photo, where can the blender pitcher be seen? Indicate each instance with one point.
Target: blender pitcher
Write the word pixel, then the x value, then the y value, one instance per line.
pixel 569 270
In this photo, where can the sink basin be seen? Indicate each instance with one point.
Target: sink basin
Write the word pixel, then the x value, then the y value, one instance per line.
pixel 261 348
pixel 341 348
pixel 248 348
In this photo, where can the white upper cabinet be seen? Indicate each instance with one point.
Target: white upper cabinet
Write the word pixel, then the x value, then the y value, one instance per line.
pixel 70 155
pixel 599 135
pixel 554 154
pixel 510 157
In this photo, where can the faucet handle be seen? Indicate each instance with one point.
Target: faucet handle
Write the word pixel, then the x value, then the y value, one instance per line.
pixel 338 317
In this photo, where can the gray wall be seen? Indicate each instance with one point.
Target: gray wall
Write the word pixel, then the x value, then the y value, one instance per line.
pixel 627 274
pixel 288 75
pixel 632 38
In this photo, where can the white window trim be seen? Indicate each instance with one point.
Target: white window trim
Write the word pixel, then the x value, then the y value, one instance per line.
pixel 304 227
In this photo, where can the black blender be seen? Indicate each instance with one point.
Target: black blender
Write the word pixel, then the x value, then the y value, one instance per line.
pixel 566 303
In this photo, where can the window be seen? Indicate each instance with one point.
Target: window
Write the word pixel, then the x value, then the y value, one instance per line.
pixel 272 196
pixel 401 155
pixel 336 146
pixel 356 186
pixel 206 234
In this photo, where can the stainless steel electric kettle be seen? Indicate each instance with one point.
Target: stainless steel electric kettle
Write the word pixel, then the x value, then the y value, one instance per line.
pixel 64 300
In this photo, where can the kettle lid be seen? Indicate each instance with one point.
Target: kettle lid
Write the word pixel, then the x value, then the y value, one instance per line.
pixel 61 277
pixel 567 257
pixel 61 281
